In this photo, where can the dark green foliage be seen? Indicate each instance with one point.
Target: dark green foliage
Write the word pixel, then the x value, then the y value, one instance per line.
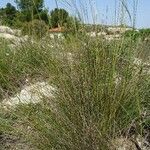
pixel 136 34
pixel 44 16
pixel 2 13
pixel 34 5
pixel 58 17
pixel 8 14
pixel 132 34
pixel 145 33
pixel 32 10
pixel 73 24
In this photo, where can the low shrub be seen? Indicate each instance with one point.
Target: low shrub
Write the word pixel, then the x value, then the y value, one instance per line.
pixel 35 28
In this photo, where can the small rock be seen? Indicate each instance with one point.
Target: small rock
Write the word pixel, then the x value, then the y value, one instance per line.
pixel 30 94
pixel 123 144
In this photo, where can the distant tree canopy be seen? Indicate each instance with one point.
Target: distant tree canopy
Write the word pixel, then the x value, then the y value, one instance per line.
pixel 58 17
pixel 8 14
pixel 32 9
pixel 29 11
pixel 28 5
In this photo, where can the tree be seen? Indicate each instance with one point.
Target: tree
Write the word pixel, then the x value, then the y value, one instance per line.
pixel 58 17
pixel 43 15
pixel 1 15
pixel 8 14
pixel 72 24
pixel 32 9
pixel 28 5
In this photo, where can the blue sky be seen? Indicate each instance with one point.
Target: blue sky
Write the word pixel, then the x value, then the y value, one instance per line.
pixel 103 11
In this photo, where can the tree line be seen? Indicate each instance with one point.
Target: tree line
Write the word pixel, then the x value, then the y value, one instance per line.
pixel 29 10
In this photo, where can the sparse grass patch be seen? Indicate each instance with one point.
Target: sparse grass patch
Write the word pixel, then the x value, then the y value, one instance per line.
pixel 29 60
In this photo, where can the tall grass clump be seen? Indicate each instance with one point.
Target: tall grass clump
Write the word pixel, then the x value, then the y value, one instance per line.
pixel 100 92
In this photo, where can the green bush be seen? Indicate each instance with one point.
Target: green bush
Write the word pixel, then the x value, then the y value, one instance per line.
pixel 37 28
pixel 134 35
